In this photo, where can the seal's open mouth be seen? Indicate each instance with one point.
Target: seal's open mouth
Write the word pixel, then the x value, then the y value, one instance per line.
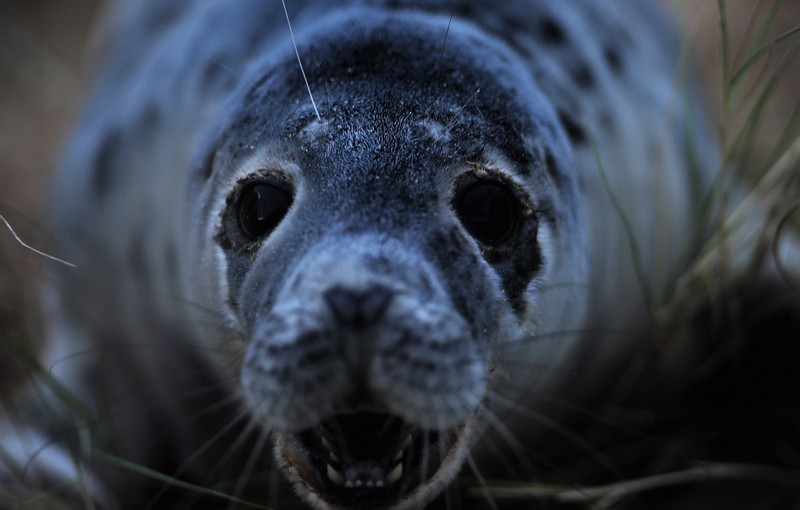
pixel 363 459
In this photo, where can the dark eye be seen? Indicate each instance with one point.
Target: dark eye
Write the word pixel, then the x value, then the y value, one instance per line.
pixel 488 210
pixel 261 207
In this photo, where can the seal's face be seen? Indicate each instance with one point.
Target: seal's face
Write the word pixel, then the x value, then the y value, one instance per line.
pixel 376 261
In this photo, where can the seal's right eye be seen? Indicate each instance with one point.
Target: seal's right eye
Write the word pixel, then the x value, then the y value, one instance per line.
pixel 260 208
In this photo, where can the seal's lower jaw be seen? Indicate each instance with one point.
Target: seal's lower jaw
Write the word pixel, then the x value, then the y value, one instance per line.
pixel 370 460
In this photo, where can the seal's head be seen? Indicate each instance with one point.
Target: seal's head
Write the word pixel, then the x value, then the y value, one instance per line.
pixel 382 262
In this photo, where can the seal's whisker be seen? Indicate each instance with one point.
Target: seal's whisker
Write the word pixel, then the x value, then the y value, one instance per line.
pixel 500 455
pixel 300 62
pixel 234 73
pixel 587 332
pixel 251 432
pixel 426 452
pixel 30 248
pixel 454 115
pixel 208 444
pixel 517 446
pixel 559 429
pixel 55 365
pixel 482 482
pixel 444 45
pixel 529 462
pixel 250 465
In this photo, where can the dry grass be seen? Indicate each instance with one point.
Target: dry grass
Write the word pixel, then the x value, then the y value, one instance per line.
pixel 42 70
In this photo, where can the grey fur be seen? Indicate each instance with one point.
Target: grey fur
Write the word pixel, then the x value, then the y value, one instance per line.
pixel 195 100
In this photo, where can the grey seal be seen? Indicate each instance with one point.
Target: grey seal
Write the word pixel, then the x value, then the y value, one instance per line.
pixel 364 282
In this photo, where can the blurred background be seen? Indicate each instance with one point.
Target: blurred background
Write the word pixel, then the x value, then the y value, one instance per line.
pixel 43 64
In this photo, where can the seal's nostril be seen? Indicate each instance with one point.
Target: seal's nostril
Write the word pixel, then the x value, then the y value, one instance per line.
pixel 358 308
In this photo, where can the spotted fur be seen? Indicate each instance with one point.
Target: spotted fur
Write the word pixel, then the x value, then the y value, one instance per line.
pixel 176 328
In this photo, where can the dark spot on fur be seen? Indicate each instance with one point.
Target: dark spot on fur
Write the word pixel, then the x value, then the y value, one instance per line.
pixel 427 283
pixel 550 127
pixel 517 261
pixel 520 262
pixel 315 355
pixel 553 170
pixel 216 76
pixel 466 10
pixel 583 77
pixel 525 169
pixel 162 15
pixel 521 44
pixel 207 168
pixel 606 121
pixel 210 72
pixel 379 264
pixel 150 117
pixel 573 129
pixel 254 42
pixel 545 211
pixel 104 162
pixel 551 32
pixel 613 59
pixel 449 248
pixel 516 24
pixel 247 120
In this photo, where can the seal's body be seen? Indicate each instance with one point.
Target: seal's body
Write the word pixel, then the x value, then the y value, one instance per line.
pixel 364 281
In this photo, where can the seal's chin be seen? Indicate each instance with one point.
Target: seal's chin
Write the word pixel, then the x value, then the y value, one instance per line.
pixel 369 460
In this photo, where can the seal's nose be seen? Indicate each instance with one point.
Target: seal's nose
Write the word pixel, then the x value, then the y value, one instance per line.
pixel 358 308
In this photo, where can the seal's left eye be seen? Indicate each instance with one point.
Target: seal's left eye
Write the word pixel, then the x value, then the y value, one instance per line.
pixel 261 207
pixel 488 210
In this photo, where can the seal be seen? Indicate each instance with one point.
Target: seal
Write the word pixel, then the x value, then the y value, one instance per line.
pixel 364 282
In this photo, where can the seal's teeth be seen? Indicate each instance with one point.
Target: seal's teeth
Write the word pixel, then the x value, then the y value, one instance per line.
pixel 398 457
pixel 359 483
pixel 395 474
pixel 327 444
pixel 379 483
pixel 370 484
pixel 349 484
pixel 335 476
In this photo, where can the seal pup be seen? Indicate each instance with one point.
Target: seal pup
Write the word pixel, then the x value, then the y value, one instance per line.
pixel 359 283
